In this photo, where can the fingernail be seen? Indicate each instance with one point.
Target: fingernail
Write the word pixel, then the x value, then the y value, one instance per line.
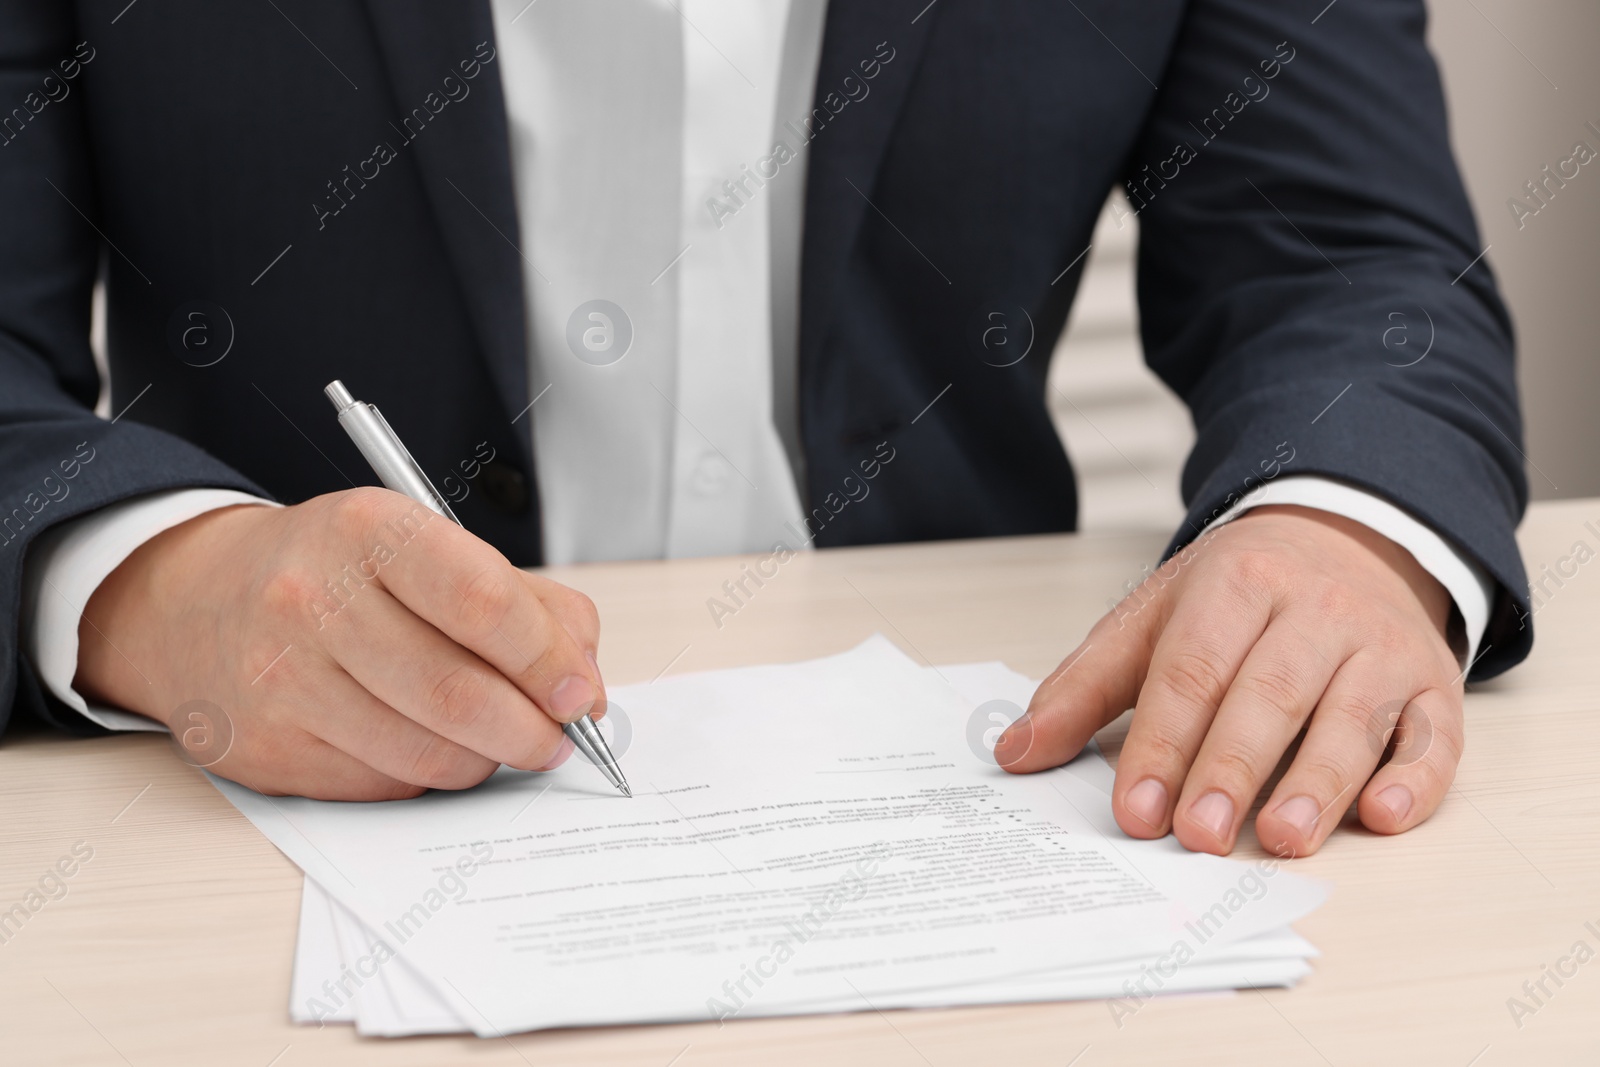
pixel 594 666
pixel 1014 732
pixel 569 699
pixel 1147 802
pixel 564 750
pixel 1397 798
pixel 1300 813
pixel 1214 811
pixel 1018 736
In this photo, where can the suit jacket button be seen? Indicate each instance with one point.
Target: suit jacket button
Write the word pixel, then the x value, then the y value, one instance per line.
pixel 505 487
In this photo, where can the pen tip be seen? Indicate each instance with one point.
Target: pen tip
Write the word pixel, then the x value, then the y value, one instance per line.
pixel 625 790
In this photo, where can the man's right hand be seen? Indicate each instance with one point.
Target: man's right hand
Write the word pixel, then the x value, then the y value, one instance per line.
pixel 361 646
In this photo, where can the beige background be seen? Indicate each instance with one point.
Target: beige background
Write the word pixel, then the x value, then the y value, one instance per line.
pixel 1521 78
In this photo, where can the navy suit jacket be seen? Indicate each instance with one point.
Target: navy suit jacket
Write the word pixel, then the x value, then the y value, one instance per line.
pixel 220 163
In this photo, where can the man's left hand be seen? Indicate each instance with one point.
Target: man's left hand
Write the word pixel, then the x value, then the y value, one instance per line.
pixel 1286 618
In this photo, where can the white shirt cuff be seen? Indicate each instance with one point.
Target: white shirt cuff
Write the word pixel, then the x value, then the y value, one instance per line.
pixel 1466 582
pixel 67 563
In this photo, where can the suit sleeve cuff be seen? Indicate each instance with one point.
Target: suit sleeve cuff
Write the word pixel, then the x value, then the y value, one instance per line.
pixel 67 563
pixel 1468 584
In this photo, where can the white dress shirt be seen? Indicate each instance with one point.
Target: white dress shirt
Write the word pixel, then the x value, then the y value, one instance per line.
pixel 624 120
pixel 653 424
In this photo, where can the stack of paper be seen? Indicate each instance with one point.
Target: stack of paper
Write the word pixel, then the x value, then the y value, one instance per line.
pixel 813 837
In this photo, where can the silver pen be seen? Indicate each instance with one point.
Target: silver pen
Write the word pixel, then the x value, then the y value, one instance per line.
pixel 392 463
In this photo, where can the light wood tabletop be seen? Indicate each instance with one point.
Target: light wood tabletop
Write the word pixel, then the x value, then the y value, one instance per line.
pixel 173 941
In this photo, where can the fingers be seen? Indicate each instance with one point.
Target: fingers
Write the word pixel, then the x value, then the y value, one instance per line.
pixel 474 596
pixel 572 609
pixel 1427 749
pixel 1342 746
pixel 1092 686
pixel 1194 663
pixel 1270 699
pixel 1098 682
pixel 360 725
pixel 1286 616
pixel 578 617
pixel 456 714
pixel 286 761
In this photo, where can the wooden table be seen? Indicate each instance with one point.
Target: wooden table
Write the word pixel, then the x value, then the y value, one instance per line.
pixel 173 943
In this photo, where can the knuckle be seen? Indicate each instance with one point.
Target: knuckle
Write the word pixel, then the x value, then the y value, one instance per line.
pixel 586 611
pixel 290 593
pixel 460 697
pixel 1392 641
pixel 357 512
pixel 578 612
pixel 1385 725
pixel 1253 569
pixel 554 656
pixel 487 600
pixel 1436 745
pixel 1334 600
pixel 439 764
pixel 1275 688
pixel 1452 743
pixel 1162 750
pixel 1431 777
pixel 1234 770
pixel 1386 719
pixel 1381 720
pixel 555 662
pixel 1193 679
pixel 1326 777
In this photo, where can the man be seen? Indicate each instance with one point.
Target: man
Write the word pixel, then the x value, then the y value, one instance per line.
pixel 650 279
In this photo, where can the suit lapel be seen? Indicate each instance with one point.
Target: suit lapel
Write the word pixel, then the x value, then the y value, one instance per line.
pixel 847 151
pixel 463 153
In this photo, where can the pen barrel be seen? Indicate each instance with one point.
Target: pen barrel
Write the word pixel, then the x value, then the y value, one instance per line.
pixel 591 744
pixel 389 458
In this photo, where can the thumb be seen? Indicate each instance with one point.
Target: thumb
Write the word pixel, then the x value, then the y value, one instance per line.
pixel 1092 686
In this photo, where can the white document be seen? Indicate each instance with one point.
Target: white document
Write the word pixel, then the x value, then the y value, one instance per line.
pixel 396 1000
pixel 318 963
pixel 807 837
